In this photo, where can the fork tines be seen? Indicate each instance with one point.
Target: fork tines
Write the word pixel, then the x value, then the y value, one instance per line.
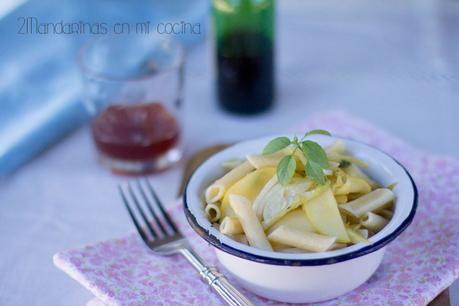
pixel 155 219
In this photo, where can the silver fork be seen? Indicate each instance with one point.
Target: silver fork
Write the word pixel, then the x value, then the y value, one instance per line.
pixel 163 238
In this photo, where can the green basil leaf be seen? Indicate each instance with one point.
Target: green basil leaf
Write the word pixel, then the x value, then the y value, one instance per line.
pixel 314 152
pixel 276 144
pixel 286 169
pixel 295 139
pixel 318 131
pixel 315 172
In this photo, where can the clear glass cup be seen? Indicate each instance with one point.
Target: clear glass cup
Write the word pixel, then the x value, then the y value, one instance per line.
pixel 133 86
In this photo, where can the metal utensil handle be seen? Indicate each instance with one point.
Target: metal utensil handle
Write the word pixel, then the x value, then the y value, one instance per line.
pixel 216 280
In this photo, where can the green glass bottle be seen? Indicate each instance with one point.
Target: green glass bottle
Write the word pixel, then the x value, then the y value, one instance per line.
pixel 244 31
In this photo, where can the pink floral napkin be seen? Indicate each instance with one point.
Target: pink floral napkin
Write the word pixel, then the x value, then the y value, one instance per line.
pixel 417 266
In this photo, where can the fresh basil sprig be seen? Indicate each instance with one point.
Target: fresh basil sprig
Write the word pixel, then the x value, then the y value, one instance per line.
pixel 316 158
pixel 318 131
pixel 276 144
pixel 286 169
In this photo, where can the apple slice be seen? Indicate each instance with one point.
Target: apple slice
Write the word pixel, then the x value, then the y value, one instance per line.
pixel 295 219
pixel 249 187
pixel 324 215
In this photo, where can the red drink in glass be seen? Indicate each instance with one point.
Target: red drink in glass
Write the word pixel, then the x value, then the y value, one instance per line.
pixel 133 87
pixel 138 132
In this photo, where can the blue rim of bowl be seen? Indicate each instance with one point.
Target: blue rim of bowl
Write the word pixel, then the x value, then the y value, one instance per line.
pixel 201 231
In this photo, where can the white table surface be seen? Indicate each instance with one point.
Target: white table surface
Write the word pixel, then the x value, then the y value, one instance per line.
pixel 388 64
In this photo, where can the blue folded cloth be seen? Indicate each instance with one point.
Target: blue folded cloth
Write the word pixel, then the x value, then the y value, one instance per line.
pixel 39 81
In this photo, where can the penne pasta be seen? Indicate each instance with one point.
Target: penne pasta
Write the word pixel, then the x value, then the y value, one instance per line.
pixel 213 212
pixel 300 239
pixel 278 246
pixel 370 202
pixel 386 213
pixel 356 237
pixel 329 204
pixel 249 222
pixel 352 184
pixel 336 157
pixel 216 191
pixel 354 170
pixel 373 221
pixel 291 250
pixel 241 238
pixel 269 160
pixel 341 199
pixel 363 232
pixel 339 178
pixel 232 163
pixel 337 246
pixel 355 226
pixel 231 226
pixel 338 147
pixel 272 160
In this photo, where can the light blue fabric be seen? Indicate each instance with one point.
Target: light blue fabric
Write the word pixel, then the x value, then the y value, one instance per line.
pixel 39 81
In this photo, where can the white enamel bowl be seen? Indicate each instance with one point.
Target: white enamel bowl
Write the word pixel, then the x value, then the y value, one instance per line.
pixel 311 277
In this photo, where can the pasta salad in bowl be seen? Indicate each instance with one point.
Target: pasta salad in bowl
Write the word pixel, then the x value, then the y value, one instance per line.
pixel 291 218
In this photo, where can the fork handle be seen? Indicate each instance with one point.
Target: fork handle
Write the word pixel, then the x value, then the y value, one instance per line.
pixel 216 280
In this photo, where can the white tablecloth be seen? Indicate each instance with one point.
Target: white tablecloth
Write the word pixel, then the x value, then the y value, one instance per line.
pixel 395 64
